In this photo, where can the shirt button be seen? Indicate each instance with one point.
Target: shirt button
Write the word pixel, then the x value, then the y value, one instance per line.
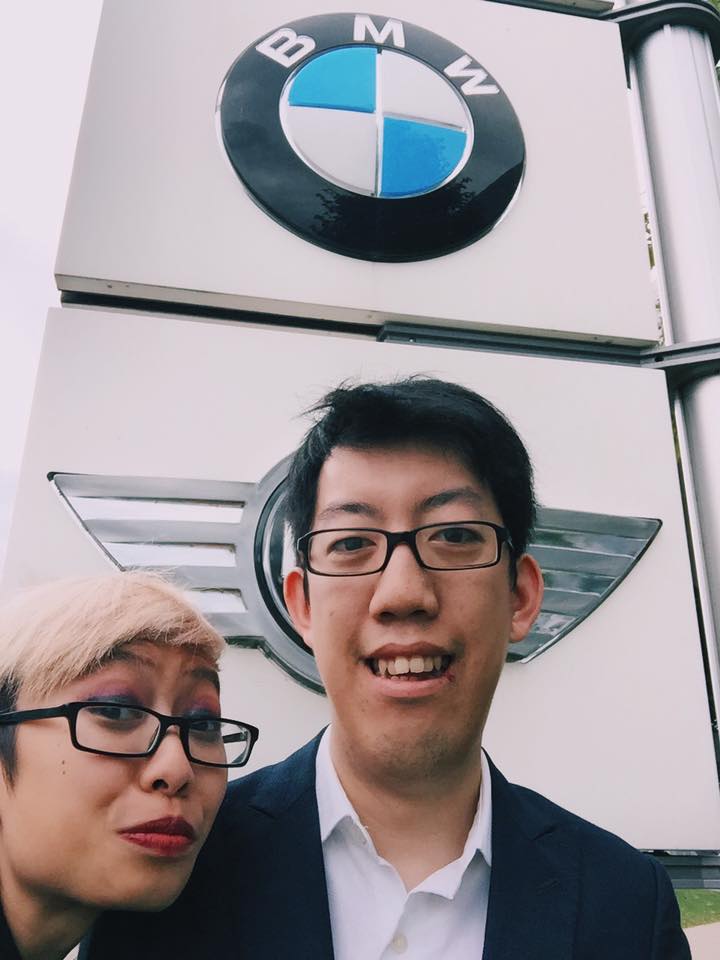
pixel 399 943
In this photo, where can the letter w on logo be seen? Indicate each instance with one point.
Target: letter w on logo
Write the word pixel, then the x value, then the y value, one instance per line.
pixel 475 84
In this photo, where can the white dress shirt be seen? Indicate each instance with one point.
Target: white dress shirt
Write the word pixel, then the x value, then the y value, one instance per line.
pixel 373 916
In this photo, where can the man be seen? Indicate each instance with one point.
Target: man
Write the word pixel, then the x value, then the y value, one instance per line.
pixel 392 833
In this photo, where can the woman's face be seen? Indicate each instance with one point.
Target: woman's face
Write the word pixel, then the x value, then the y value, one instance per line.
pixel 84 827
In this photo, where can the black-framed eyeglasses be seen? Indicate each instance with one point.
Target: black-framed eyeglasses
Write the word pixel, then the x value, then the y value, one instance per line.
pixel 359 551
pixel 115 729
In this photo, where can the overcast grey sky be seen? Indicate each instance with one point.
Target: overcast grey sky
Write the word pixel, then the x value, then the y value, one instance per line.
pixel 45 56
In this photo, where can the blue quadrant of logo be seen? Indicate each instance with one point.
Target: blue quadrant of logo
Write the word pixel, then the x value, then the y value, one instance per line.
pixel 417 157
pixel 339 80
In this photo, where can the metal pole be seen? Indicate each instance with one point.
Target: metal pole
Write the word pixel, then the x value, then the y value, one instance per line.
pixel 673 71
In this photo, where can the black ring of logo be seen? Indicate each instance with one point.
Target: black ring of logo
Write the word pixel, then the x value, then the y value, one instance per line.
pixel 368 228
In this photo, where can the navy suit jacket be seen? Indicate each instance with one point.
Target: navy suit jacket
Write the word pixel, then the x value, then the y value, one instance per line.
pixel 560 889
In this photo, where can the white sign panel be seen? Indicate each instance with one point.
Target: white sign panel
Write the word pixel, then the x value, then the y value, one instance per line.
pixel 593 721
pixel 468 164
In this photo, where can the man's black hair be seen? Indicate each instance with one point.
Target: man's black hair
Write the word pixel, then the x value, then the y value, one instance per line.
pixel 425 412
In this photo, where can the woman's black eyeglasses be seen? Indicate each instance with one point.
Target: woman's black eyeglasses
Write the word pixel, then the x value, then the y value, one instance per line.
pixel 115 729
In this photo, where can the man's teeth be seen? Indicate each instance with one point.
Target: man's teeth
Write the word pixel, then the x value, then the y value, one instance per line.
pixel 404 666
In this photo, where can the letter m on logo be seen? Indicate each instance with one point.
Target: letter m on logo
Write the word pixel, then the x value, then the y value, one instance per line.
pixel 364 26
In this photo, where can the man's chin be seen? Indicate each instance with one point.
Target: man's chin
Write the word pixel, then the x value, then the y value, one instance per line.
pixel 410 756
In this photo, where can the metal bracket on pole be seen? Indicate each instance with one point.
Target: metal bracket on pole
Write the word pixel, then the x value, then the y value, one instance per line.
pixel 639 20
pixel 685 362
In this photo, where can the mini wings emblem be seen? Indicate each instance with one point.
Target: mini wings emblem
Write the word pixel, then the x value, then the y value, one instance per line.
pixel 225 542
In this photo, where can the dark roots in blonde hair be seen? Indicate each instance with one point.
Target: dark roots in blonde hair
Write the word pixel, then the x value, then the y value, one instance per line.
pixel 8 756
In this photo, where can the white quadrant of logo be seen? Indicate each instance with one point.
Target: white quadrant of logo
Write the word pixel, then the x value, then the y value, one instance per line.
pixel 376 122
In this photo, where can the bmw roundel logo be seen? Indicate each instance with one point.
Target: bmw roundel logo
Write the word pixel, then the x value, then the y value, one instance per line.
pixel 371 137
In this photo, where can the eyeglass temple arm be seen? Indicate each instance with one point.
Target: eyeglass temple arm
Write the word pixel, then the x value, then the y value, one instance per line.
pixel 18 716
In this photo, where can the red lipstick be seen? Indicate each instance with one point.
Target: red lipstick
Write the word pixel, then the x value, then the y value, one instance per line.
pixel 168 836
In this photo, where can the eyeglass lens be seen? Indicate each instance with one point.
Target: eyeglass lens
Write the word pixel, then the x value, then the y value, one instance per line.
pixel 444 546
pixel 131 730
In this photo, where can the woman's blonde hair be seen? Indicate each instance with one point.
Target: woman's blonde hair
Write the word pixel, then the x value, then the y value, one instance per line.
pixel 59 631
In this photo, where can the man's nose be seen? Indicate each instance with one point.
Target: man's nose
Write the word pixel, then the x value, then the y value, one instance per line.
pixel 168 770
pixel 404 588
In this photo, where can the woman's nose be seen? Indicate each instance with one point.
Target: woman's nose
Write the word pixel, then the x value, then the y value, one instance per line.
pixel 168 769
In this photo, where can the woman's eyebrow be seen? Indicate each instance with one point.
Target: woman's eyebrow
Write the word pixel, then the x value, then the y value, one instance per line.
pixel 132 656
pixel 124 655
pixel 206 673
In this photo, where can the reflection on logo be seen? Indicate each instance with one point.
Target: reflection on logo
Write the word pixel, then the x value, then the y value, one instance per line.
pixel 377 122
pixel 226 543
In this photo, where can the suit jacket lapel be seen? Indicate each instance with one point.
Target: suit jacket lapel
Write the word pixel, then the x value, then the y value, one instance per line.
pixel 287 867
pixel 533 882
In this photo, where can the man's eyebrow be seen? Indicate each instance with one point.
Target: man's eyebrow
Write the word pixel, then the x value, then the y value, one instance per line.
pixel 468 495
pixel 354 507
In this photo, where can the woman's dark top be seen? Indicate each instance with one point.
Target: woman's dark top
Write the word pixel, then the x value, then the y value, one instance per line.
pixel 8 950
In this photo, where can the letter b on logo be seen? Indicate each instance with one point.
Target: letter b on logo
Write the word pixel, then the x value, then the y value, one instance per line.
pixel 286 47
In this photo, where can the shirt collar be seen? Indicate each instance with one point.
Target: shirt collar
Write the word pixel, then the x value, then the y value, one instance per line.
pixel 332 801
pixel 334 808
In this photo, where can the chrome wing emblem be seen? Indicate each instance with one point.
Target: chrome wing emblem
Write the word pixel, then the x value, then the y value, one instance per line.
pixel 225 543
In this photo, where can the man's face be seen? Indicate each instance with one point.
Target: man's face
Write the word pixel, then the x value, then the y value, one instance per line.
pixel 412 723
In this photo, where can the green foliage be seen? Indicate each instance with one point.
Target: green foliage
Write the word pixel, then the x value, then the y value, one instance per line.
pixel 699 906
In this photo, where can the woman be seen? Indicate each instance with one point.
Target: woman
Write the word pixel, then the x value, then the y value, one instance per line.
pixel 112 753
